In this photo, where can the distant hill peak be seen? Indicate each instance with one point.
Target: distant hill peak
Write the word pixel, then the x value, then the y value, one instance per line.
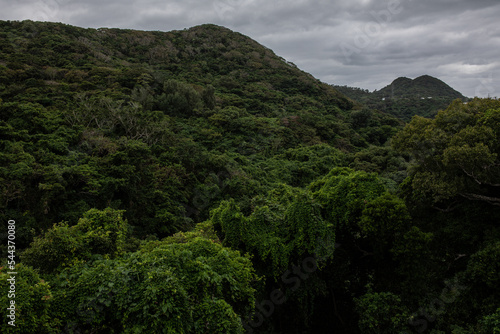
pixel 405 97
pixel 422 86
pixel 401 80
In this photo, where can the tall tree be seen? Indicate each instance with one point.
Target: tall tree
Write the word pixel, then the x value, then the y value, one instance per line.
pixel 456 154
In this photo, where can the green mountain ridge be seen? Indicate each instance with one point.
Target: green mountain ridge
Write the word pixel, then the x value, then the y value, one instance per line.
pixel 406 97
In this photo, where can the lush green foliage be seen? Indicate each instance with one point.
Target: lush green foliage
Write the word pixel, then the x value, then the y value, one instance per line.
pixel 98 232
pixel 33 300
pixel 194 182
pixel 171 288
pixel 381 313
pixel 457 152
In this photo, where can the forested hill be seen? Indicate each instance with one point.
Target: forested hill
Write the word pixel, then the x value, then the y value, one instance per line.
pixel 58 54
pixel 423 86
pixel 195 182
pixel 195 100
pixel 405 97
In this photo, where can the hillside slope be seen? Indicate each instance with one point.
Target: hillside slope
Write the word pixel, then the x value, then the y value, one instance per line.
pixel 83 108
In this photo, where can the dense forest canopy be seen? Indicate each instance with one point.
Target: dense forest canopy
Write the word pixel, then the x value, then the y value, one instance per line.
pixel 195 182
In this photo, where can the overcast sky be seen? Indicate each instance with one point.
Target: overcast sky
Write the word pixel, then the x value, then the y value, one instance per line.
pixel 361 43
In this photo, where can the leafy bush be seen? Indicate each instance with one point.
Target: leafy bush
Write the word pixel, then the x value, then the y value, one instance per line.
pixel 33 298
pixel 98 232
pixel 191 286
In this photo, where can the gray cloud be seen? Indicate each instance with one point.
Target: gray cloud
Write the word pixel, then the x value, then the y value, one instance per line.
pixel 364 43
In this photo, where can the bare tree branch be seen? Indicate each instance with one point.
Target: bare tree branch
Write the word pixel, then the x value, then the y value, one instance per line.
pixel 488 199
